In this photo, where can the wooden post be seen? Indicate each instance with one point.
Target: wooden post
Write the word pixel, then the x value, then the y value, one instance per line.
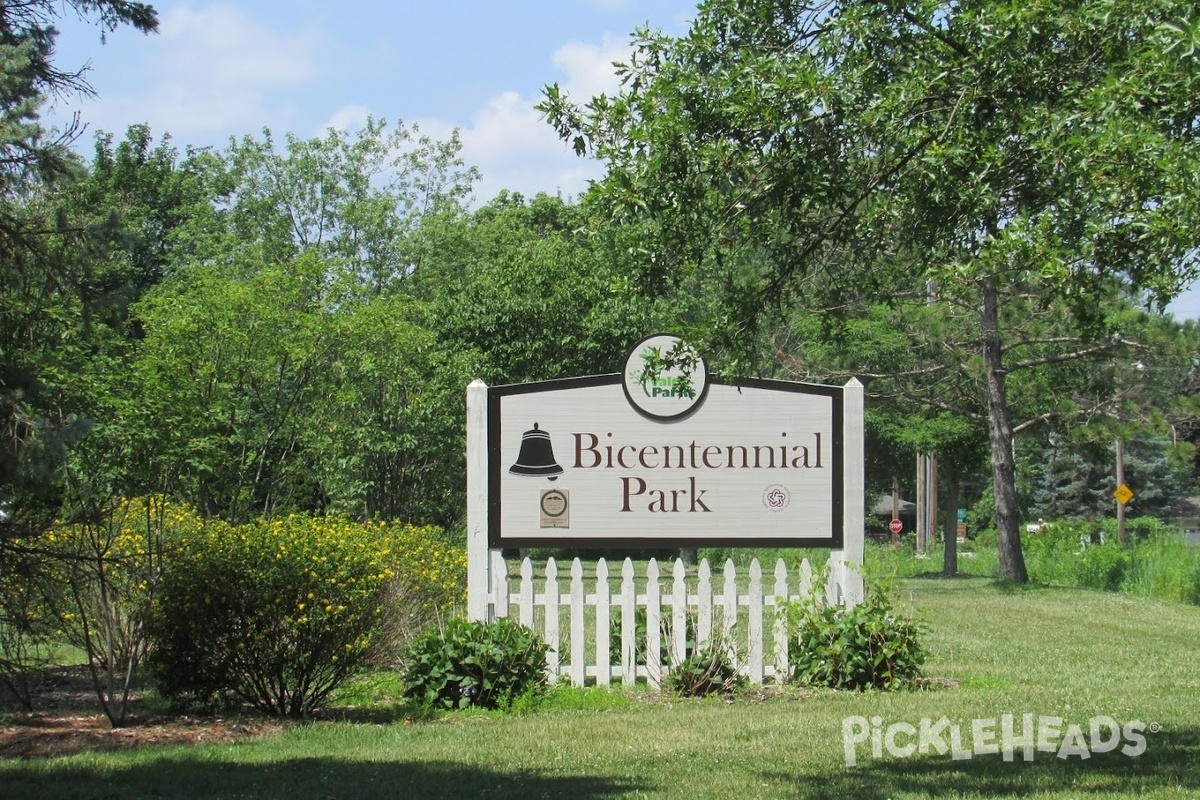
pixel 848 561
pixel 1122 535
pixel 478 568
pixel 499 577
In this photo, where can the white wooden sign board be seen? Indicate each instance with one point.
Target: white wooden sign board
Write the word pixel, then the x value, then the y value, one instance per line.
pixel 627 460
pixel 574 463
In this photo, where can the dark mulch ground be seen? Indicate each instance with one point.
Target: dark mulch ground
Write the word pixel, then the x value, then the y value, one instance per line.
pixel 67 720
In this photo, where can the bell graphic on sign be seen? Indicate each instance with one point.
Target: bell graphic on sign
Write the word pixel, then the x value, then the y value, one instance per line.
pixel 536 456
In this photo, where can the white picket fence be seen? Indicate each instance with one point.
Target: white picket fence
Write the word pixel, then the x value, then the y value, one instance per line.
pixel 715 612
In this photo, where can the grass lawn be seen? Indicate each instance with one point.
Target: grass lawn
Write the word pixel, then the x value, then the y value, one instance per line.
pixel 1048 652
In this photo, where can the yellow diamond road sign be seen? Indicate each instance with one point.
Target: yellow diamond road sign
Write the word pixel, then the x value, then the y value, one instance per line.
pixel 1123 494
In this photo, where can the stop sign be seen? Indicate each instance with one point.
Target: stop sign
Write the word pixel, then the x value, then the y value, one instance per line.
pixel 895 526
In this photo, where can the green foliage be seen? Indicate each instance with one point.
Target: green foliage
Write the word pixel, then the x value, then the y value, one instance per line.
pixel 278 614
pixel 1020 161
pixel 859 648
pixel 534 290
pixel 29 630
pixel 48 344
pixel 1076 553
pixel 1165 566
pixel 463 664
pixel 705 671
pixel 666 637
pixel 1076 479
pixel 1158 563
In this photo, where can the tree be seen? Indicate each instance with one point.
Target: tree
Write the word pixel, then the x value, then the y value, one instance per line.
pixel 354 200
pixel 286 363
pixel 1046 147
pixel 42 325
pixel 527 286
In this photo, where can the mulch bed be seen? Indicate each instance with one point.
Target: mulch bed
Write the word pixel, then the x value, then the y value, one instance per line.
pixel 65 721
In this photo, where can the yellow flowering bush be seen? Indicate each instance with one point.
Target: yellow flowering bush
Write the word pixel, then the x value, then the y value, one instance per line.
pixel 433 568
pixel 279 613
pixel 104 567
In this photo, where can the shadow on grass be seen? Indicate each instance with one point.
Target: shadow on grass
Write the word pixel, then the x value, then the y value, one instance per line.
pixel 299 779
pixel 1011 588
pixel 1171 760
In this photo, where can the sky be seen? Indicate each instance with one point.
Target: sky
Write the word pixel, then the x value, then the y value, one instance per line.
pixel 217 70
pixel 221 69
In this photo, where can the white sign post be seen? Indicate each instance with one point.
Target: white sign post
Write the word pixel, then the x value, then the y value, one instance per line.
pixel 651 459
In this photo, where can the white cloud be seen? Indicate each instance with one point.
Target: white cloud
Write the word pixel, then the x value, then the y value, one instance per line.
pixel 516 149
pixel 348 118
pixel 222 44
pixel 213 70
pixel 589 67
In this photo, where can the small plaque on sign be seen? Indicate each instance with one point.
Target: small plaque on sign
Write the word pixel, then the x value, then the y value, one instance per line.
pixel 555 508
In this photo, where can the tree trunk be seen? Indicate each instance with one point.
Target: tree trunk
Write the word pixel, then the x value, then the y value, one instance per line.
pixel 950 525
pixel 1000 435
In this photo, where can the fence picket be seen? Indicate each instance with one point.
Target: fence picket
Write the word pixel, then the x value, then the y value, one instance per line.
pixel 578 662
pixel 552 603
pixel 525 596
pixel 754 615
pixel 704 600
pixel 654 665
pixel 603 610
pixel 781 635
pixel 679 614
pixel 729 610
pixel 628 628
pixel 749 649
pixel 806 576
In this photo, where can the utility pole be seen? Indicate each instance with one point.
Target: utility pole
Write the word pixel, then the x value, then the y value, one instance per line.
pixel 927 504
pixel 1122 536
pixel 922 510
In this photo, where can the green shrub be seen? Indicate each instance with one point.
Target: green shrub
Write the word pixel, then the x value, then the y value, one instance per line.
pixel 859 648
pixel 705 671
pixel 279 614
pixel 466 663
pixel 1099 566
pixel 985 538
pixel 1165 566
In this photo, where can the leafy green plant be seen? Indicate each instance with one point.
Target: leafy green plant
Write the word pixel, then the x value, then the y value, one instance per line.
pixel 463 664
pixel 1077 553
pixel 858 648
pixel 708 670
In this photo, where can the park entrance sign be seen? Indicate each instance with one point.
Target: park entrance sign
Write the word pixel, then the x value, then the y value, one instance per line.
pixel 625 460
pixel 660 456
pixel 664 455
